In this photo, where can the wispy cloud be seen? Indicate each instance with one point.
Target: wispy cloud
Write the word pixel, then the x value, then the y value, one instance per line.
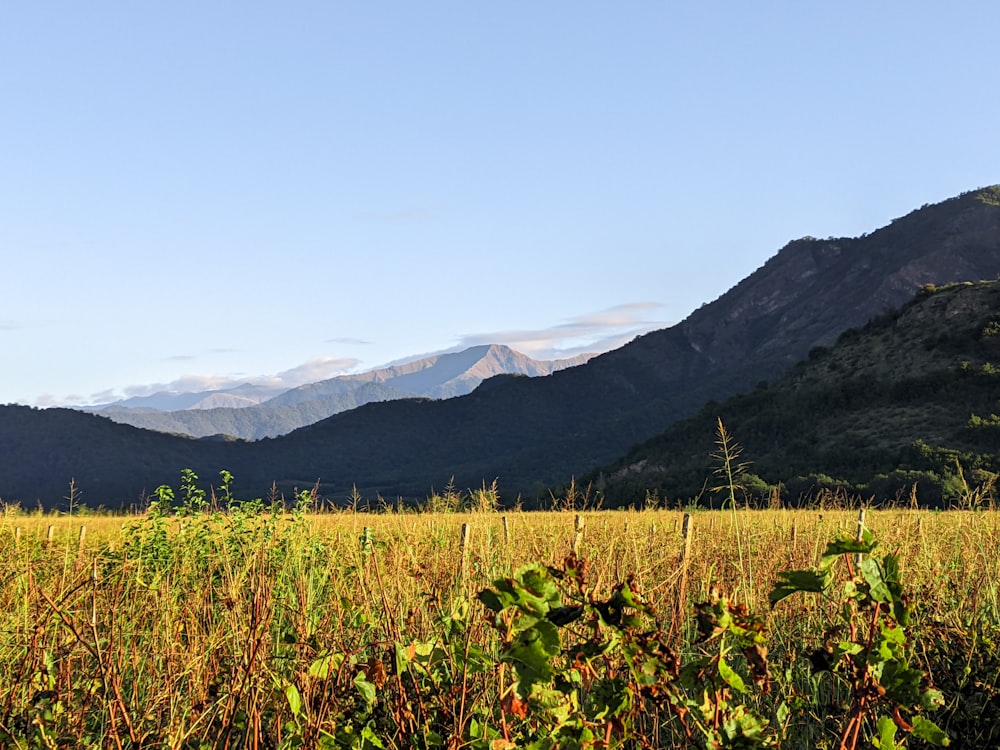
pixel 591 333
pixel 102 397
pixel 588 333
pixel 184 384
pixel 348 341
pixel 8 325
pixel 318 368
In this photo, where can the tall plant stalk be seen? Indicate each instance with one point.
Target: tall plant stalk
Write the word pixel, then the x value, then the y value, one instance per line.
pixel 728 453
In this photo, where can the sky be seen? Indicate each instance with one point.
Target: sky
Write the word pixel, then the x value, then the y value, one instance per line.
pixel 199 194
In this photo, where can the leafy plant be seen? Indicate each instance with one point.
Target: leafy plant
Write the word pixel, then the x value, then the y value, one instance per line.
pixel 865 651
pixel 617 668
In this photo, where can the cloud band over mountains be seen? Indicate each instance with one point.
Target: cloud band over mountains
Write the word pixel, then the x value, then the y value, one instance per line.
pixel 587 333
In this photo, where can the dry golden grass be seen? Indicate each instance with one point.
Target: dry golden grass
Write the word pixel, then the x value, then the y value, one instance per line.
pixel 181 624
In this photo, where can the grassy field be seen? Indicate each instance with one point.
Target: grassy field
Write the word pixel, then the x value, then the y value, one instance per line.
pixel 253 629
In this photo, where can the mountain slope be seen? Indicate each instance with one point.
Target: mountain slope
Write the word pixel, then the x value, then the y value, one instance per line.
pixel 246 394
pixel 255 421
pixel 440 376
pixel 532 432
pixel 43 450
pixel 903 401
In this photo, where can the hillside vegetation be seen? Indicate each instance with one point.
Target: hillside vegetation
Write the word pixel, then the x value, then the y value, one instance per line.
pixel 910 400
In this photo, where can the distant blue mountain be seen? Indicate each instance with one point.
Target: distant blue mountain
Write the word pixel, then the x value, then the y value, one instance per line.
pixel 253 412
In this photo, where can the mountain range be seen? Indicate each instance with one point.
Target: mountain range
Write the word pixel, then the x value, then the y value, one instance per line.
pixel 252 412
pixel 532 433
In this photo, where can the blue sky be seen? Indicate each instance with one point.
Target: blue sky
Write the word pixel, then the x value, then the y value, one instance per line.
pixel 201 194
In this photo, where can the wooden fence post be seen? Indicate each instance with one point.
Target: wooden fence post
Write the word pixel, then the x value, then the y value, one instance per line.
pixel 464 546
pixel 681 608
pixel 861 534
pixel 506 530
pixel 577 533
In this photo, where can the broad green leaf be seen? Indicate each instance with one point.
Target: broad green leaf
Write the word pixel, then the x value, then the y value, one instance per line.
pixel 848 647
pixel 364 687
pixel 293 698
pixel 531 590
pixel 531 654
pixel 522 621
pixel 872 573
pixel 631 599
pixel 902 684
pixel 793 581
pixel 931 699
pixel 565 615
pixel 734 680
pixel 886 739
pixel 743 728
pixel 369 739
pixel 492 600
pixel 782 713
pixel 539 592
pixel 321 667
pixel 890 644
pixel 890 567
pixel 557 704
pixel 900 611
pixel 926 730
pixel 424 649
pixel 474 658
pixel 894 634
pixel 846 545
pixel 402 658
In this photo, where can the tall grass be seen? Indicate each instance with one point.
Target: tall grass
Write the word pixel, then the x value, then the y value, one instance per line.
pixel 264 629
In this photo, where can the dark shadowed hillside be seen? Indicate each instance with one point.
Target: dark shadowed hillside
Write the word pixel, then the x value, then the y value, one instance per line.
pixel 531 432
pixel 42 450
pixel 910 399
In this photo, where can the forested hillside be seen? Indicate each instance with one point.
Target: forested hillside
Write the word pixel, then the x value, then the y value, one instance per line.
pixel 910 400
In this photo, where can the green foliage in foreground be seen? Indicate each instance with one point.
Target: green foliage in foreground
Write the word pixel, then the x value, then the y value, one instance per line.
pixel 595 671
